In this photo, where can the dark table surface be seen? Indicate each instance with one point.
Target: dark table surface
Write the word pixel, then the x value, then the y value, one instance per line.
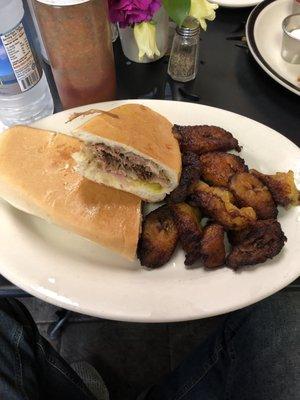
pixel 228 78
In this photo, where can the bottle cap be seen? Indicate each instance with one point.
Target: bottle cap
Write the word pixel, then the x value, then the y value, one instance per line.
pixel 12 12
pixel 190 27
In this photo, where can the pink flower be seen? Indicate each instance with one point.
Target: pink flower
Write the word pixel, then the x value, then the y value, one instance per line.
pixel 129 12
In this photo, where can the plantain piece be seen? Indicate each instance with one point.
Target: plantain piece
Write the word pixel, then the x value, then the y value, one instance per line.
pixel 236 237
pixel 187 220
pixel 259 242
pixel 282 186
pixel 218 204
pixel 158 239
pixel 203 138
pixel 218 167
pixel 212 246
pixel 225 194
pixel 189 175
pixel 251 192
pixel 191 159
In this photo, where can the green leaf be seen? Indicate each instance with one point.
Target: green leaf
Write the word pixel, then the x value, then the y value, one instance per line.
pixel 178 10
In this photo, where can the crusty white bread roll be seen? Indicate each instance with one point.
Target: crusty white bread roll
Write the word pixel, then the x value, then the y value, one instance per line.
pixel 37 176
pixel 131 148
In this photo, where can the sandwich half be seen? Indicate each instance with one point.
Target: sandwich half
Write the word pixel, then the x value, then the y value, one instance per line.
pixel 131 148
pixel 37 176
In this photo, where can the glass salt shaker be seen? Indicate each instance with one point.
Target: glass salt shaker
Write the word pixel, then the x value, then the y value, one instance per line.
pixel 183 62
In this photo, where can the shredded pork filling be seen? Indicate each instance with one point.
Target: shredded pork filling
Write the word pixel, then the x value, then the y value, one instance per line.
pixel 115 161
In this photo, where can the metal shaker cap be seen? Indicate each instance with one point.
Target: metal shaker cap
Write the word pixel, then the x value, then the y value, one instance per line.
pixel 190 27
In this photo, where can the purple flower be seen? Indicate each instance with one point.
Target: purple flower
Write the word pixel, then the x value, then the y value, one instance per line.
pixel 129 12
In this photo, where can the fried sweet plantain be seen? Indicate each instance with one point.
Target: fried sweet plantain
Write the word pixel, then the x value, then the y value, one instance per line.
pixel 251 192
pixel 212 246
pixel 261 241
pixel 282 186
pixel 203 138
pixel 158 239
pixel 236 237
pixel 189 175
pixel 218 167
pixel 187 220
pixel 217 204
pixel 191 159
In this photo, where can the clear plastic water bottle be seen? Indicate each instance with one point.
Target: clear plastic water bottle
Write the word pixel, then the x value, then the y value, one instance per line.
pixel 24 91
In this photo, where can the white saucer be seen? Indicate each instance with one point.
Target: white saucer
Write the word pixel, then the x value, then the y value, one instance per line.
pixel 264 37
pixel 236 3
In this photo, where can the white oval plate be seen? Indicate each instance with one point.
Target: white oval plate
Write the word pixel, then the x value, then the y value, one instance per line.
pixel 264 38
pixel 236 3
pixel 69 271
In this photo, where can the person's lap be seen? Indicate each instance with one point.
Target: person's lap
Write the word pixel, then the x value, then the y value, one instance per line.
pixel 252 356
pixel 30 368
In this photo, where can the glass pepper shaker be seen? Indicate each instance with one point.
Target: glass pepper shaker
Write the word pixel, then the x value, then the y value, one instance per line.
pixel 183 62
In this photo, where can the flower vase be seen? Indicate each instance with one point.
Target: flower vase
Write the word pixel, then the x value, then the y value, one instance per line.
pixel 129 45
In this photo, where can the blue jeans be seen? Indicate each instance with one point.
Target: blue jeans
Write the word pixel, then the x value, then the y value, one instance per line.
pixel 254 355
